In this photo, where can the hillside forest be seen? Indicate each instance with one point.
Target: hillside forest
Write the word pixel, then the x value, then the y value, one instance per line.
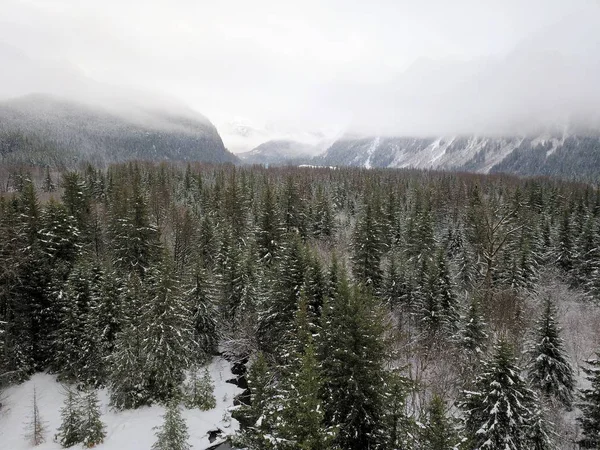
pixel 361 309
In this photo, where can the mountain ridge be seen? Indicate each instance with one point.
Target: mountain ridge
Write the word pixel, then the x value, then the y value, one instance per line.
pixel 72 131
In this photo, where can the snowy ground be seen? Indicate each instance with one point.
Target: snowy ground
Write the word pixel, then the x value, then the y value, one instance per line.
pixel 125 430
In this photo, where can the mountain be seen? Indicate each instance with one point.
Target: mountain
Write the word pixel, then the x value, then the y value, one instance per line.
pixel 49 130
pixel 280 152
pixel 575 156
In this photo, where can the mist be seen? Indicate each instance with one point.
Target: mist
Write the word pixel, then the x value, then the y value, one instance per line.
pixel 316 69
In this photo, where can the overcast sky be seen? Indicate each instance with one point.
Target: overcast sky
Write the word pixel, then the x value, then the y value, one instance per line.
pixel 390 66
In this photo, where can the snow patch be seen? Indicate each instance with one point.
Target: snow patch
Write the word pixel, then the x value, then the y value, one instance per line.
pixel 125 430
pixel 374 145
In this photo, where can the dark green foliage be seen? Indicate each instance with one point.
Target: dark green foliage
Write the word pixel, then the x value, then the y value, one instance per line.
pixel 351 353
pixel 550 371
pixel 92 429
pixel 368 248
pixel 438 431
pixel 500 408
pixel 473 336
pixel 69 432
pixel 257 418
pixel 168 345
pixel 590 406
pixel 173 434
pixel 199 391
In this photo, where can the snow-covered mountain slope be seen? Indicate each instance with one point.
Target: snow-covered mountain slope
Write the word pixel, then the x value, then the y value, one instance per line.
pixel 280 152
pixel 125 430
pixel 546 154
pixel 66 131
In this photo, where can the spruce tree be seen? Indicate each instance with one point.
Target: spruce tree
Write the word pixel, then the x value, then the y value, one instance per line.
pixel 168 345
pixel 549 368
pixel 351 354
pixel 173 434
pixel 473 336
pixel 200 297
pixel 438 432
pixel 399 428
pixel 590 405
pixel 127 373
pixel 257 418
pixel 92 430
pixel 368 248
pixel 499 410
pixel 300 421
pixel 302 412
pixel 69 432
pixel 199 390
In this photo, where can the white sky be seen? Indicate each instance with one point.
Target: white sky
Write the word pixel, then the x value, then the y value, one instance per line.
pixel 318 63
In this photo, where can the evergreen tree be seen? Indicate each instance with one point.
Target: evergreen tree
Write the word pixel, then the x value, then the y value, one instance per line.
pixel 473 336
pixel 590 406
pixel 257 418
pixel 322 217
pixel 351 353
pixel 399 429
pixel 92 430
pixel 302 413
pixel 282 302
pixel 269 226
pixel 549 369
pixel 438 432
pixel 200 298
pixel 368 249
pixel 499 412
pixel 539 433
pixel 168 345
pixel 199 391
pixel 36 428
pixel 69 432
pixel 173 434
pixel 127 374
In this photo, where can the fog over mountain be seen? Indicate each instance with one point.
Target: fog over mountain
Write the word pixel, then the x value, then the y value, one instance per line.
pixel 410 68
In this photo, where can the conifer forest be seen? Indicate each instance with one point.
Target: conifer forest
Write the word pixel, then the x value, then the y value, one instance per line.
pixel 360 309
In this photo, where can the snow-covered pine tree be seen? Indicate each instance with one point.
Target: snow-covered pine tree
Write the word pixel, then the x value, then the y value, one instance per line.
pixel 200 297
pixel 499 411
pixel 549 369
pixel 168 346
pixel 127 376
pixel 399 429
pixel 351 353
pixel 473 336
pixel 368 247
pixel 315 285
pixel 74 303
pixel 302 415
pixel 35 431
pixel 391 288
pixel 540 433
pixel 69 432
pixel 269 224
pixel 323 225
pixel 106 310
pixel 444 289
pixel 92 431
pixel 438 432
pixel 590 405
pixel 257 418
pixel 281 304
pixel 199 390
pixel 173 434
